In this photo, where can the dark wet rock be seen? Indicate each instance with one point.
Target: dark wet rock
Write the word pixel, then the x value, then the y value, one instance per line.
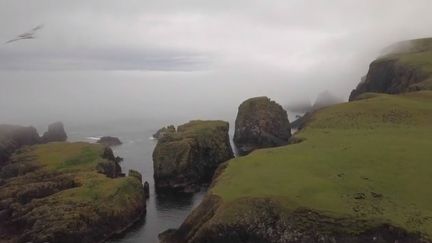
pixel 187 158
pixel 110 165
pixel 146 189
pixel 109 141
pixel 55 133
pixel 164 130
pixel 261 123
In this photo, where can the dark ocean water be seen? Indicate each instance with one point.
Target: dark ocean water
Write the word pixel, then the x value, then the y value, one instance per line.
pixel 163 211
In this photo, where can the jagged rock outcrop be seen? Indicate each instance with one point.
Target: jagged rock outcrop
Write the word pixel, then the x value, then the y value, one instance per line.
pixel 164 130
pixel 260 123
pixel 187 158
pixel 14 137
pixel 405 67
pixel 109 141
pixel 53 193
pixel 55 133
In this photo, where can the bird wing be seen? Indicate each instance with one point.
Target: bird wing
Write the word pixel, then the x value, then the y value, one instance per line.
pixel 13 40
pixel 28 35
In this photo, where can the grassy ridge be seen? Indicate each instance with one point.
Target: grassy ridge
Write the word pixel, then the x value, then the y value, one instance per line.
pixel 81 160
pixel 369 159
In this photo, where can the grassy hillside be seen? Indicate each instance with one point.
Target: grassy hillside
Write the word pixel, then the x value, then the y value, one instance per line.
pixel 369 159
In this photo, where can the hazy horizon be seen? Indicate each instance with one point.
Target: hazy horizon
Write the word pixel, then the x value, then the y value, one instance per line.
pixel 105 60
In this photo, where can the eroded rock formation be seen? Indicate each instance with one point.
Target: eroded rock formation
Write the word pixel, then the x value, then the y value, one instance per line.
pixel 261 123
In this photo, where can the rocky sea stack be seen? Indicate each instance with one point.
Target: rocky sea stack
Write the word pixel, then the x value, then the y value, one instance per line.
pixel 261 123
pixel 188 157
pixel 55 133
pixel 405 67
pixel 109 141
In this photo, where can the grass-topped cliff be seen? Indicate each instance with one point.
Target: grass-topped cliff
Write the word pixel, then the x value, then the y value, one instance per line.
pixel 405 66
pixel 361 166
pixel 187 157
pixel 56 193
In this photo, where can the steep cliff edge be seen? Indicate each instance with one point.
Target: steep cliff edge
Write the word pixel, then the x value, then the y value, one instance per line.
pixel 260 123
pixel 360 174
pixel 189 156
pixel 406 66
pixel 56 192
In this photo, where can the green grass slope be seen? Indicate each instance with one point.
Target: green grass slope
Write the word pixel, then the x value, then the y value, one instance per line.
pixel 370 159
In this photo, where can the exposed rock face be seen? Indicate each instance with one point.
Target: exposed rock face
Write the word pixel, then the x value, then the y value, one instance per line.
pixel 264 220
pixel 164 130
pixel 109 141
pixel 55 133
pixel 13 137
pixel 189 157
pixel 261 123
pixel 390 76
pixel 405 66
pixel 44 199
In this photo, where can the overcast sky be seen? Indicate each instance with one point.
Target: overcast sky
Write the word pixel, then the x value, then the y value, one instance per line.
pixel 287 49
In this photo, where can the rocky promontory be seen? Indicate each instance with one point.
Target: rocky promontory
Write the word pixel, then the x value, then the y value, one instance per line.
pixel 188 157
pixel 404 67
pixel 66 192
pixel 260 123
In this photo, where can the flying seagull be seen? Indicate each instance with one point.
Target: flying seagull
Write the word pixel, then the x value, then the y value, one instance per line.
pixel 26 36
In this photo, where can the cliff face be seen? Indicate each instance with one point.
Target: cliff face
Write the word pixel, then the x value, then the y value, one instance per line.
pixel 188 157
pixel 55 193
pixel 406 67
pixel 260 220
pixel 13 137
pixel 260 123
pixel 390 76
pixel 336 185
